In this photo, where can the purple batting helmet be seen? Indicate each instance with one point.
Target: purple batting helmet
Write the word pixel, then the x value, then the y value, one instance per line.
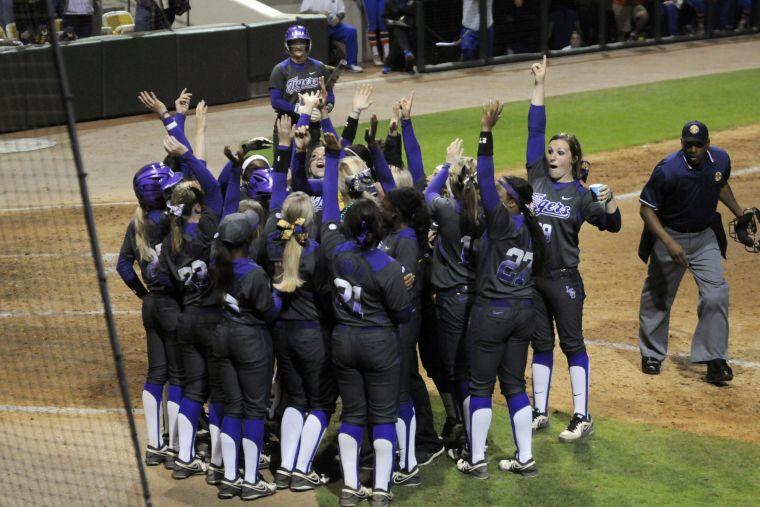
pixel 260 184
pixel 151 181
pixel 297 32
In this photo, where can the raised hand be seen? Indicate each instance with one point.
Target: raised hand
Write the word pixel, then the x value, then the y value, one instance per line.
pixel 538 70
pixel 182 104
pixel 150 101
pixel 174 147
pixel 285 132
pixel 491 115
pixel 236 159
pixel 309 101
pixel 454 152
pixel 362 94
pixel 395 117
pixel 331 142
pixel 406 106
pixel 302 138
pixel 371 132
pixel 200 113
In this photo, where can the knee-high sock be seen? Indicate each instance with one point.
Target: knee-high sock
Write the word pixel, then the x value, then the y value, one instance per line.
pixel 253 440
pixel 543 362
pixel 373 43
pixel 172 412
pixel 384 441
pixel 522 424
pixel 480 421
pixel 350 443
pixel 579 379
pixel 290 436
pixel 232 428
pixel 151 398
pixel 467 420
pixel 187 422
pixel 406 427
pixel 215 420
pixel 311 435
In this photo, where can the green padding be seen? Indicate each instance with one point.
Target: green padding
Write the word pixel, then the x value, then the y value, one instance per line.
pixel 266 48
pixel 84 64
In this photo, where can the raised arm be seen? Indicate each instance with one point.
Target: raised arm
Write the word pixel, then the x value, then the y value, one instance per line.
pixel 175 125
pixel 382 171
pixel 361 101
pixel 330 207
pixel 281 163
pixel 232 195
pixel 453 156
pixel 536 146
pixel 411 146
pixel 200 130
pixel 486 184
pixel 211 189
pixel 298 164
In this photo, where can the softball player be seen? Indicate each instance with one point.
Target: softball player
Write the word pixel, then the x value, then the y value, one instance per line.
pixel 561 203
pixel 453 271
pixel 502 317
pixel 160 309
pixel 243 352
pixel 370 299
pixel 301 340
pixel 184 256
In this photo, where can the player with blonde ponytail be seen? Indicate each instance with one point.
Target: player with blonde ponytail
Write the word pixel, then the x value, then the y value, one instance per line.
pixel 301 340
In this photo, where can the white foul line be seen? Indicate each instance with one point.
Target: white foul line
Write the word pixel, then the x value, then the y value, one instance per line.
pixel 633 348
pixel 65 410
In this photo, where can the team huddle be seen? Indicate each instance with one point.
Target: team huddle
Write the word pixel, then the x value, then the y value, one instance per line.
pixel 330 268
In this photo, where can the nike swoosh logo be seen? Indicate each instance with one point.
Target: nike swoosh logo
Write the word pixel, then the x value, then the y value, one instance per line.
pixel 579 394
pixel 312 73
pixel 566 198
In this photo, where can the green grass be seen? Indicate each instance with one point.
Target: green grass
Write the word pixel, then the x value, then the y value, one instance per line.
pixel 602 120
pixel 622 464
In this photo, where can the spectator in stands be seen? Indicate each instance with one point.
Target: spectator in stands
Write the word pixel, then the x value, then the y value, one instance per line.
pixel 399 16
pixel 154 15
pixel 671 15
pixel 470 36
pixel 626 11
pixel 728 14
pixel 335 11
pixel 6 12
pixel 78 14
pixel 564 27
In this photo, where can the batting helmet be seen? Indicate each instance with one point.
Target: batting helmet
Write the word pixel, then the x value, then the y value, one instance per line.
pixel 294 33
pixel 151 182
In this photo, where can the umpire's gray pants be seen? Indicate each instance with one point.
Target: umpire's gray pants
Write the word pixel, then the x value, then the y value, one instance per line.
pixel 711 336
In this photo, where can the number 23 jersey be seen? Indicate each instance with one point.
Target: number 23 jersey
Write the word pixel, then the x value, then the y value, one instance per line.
pixel 506 261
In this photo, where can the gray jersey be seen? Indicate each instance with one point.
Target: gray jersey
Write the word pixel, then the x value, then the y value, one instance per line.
pixel 368 285
pixel 454 252
pixel 249 300
pixel 189 267
pixel 402 245
pixel 156 280
pixel 561 208
pixel 302 303
pixel 506 262
pixel 292 78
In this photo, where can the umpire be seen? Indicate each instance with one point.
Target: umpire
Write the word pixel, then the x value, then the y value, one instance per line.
pixel 683 231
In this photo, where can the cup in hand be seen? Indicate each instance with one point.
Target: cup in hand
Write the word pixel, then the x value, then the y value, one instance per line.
pixel 595 189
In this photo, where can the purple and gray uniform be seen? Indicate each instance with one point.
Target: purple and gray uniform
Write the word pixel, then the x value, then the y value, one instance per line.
pixel 288 79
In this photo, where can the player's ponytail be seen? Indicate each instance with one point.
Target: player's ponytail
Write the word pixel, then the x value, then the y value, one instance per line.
pixel 184 196
pixel 141 234
pixel 409 208
pixel 297 215
pixel 525 192
pixel 363 222
pixel 464 185
pixel 223 274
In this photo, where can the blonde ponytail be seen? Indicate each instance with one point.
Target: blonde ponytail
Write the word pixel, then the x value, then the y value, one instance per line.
pixel 141 235
pixel 297 214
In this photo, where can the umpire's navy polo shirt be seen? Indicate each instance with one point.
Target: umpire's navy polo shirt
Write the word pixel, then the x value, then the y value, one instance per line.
pixel 684 197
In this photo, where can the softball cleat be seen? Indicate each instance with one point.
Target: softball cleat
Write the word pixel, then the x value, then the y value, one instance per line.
pixel 350 497
pixel 514 465
pixel 477 470
pixel 579 428
pixel 540 420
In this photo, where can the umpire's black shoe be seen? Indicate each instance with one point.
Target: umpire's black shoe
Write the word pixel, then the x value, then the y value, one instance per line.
pixel 718 371
pixel 650 365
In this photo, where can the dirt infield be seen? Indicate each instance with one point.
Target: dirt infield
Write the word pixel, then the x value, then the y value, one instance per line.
pixel 48 318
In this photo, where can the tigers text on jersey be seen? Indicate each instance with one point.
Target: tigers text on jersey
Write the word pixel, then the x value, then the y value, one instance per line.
pixel 561 209
pixel 506 263
pixel 189 266
pixel 368 285
pixel 293 78
pixel 249 300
